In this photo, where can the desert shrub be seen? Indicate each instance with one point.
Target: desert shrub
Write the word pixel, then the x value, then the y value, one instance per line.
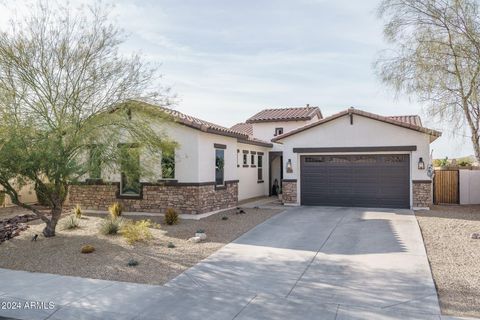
pixel 77 211
pixel 111 225
pixel 132 263
pixel 224 218
pixel 171 217
pixel 115 210
pixel 87 249
pixel 200 231
pixel 171 245
pixel 137 231
pixel 71 222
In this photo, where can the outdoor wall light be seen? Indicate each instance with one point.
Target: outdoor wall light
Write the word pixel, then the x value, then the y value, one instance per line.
pixel 289 166
pixel 421 164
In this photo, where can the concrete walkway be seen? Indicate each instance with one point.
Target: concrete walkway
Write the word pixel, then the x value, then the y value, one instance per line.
pixel 306 263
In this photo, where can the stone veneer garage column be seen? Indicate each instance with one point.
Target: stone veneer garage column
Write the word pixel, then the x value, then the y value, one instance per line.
pixel 289 191
pixel 422 193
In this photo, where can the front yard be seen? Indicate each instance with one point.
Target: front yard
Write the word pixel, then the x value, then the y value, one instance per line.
pixel 157 262
pixel 454 256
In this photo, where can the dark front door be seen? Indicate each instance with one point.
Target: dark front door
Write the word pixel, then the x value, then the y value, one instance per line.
pixel 381 181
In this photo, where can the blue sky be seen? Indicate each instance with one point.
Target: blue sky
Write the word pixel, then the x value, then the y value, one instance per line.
pixel 228 59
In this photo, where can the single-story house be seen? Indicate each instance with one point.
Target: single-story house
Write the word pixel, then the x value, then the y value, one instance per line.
pixel 352 158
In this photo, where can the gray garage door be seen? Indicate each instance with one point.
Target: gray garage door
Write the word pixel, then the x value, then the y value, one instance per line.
pixel 380 181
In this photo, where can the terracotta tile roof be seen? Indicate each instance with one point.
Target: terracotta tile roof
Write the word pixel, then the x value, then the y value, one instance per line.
pixel 197 123
pixel 286 114
pixel 410 119
pixel 243 127
pixel 256 142
pixel 433 133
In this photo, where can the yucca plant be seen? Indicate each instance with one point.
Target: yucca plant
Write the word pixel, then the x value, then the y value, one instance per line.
pixel 71 222
pixel 111 226
pixel 115 210
pixel 77 211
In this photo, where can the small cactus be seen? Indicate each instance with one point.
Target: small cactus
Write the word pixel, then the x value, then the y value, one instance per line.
pixel 87 249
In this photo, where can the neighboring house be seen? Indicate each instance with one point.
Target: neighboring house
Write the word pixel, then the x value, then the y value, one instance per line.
pixel 352 158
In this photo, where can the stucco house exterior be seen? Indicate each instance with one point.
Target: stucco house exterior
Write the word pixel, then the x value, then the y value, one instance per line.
pixel 352 158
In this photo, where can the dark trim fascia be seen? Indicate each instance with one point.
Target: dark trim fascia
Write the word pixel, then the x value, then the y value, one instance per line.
pixel 220 187
pixel 260 181
pixel 253 152
pixel 421 181
pixel 219 146
pixel 245 165
pixel 253 166
pixel 244 151
pixel 275 153
pixel 355 149
pixel 231 181
pixel 255 143
pixel 260 153
pixel 289 180
pixel 92 181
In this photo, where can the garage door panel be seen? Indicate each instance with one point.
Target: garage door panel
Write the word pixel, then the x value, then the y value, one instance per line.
pixel 356 180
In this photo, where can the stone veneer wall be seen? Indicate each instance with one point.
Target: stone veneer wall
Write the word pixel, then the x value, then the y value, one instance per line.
pixel 186 198
pixel 289 191
pixel 422 193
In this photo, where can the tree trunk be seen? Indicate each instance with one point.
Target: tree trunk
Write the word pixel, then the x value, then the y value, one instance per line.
pixel 49 230
pixel 476 146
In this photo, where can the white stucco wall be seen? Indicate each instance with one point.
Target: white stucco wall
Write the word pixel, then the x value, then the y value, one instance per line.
pixel 206 157
pixel 364 132
pixel 266 130
pixel 469 186
pixel 248 186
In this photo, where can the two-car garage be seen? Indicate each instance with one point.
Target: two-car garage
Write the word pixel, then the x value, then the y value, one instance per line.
pixel 358 159
pixel 356 180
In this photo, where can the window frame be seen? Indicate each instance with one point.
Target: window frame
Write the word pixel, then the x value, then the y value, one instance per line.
pixel 259 168
pixel 123 175
pixel 278 131
pixel 163 163
pixel 217 151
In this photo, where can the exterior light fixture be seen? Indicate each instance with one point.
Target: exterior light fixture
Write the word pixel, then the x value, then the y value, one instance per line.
pixel 421 164
pixel 289 166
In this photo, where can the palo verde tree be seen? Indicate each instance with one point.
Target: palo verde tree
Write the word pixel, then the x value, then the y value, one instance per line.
pixel 66 93
pixel 435 57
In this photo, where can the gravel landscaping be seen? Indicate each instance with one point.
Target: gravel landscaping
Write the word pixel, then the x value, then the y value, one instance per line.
pixel 454 256
pixel 157 262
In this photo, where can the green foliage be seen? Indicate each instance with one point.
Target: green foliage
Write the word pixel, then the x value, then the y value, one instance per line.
pixel 444 162
pixel 71 222
pixel 170 245
pixel 137 231
pixel 224 218
pixel 50 116
pixel 111 226
pixel 44 193
pixel 115 210
pixel 200 231
pixel 171 216
pixel 464 162
pixel 87 249
pixel 2 198
pixel 77 211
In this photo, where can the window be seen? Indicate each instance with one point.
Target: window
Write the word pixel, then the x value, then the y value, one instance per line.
pixel 168 164
pixel 94 163
pixel 260 168
pixel 130 170
pixel 278 131
pixel 252 159
pixel 245 159
pixel 219 166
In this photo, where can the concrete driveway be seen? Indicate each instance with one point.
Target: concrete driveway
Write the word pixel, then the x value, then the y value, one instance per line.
pixel 306 263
